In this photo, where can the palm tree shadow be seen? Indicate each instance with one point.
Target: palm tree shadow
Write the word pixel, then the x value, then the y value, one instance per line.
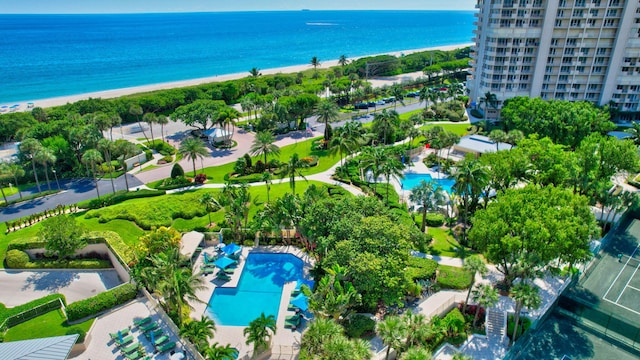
pixel 50 281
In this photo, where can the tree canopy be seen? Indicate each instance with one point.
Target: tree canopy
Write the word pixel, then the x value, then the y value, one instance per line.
pixel 62 235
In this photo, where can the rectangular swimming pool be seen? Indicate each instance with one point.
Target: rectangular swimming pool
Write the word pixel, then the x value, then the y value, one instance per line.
pixel 259 289
pixel 412 180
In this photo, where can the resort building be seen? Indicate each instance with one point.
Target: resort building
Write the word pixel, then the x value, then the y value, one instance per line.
pixel 558 49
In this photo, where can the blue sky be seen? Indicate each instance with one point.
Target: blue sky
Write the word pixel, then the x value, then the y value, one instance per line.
pixel 133 6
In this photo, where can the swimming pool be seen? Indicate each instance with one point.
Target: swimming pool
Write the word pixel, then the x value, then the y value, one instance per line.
pixel 412 180
pixel 259 289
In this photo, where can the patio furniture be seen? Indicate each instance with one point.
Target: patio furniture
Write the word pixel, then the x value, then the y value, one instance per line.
pixel 119 333
pixel 130 348
pixel 156 332
pixel 149 327
pixel 292 323
pixel 123 340
pixel 140 322
pixel 134 355
pixel 161 340
pixel 166 347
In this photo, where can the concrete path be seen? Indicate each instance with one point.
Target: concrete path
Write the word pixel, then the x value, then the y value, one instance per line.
pixel 19 287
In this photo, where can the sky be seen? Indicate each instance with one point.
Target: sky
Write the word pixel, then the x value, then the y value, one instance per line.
pixel 137 6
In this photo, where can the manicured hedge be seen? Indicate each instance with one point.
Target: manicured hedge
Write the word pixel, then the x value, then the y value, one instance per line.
pixel 68 264
pixel 16 259
pixel 420 269
pixel 452 277
pixel 103 301
pixel 118 197
pixel 6 313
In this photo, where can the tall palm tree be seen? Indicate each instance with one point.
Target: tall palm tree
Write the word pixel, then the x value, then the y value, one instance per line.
pixel 126 150
pixel 634 131
pixel 315 62
pixel 514 136
pixel 341 144
pixel 429 196
pixel 416 353
pixel 418 328
pixel 227 121
pixel 327 112
pixel 136 111
pixel 150 118
pixel 484 296
pixel 392 330
pixel 260 331
pixel 317 334
pixel 29 147
pixel 92 157
pixel 44 156
pixel 107 146
pixel 115 120
pixel 162 120
pixel 391 167
pixel 263 144
pixel 219 352
pixel 193 149
pixel 210 203
pixel 498 136
pixel 199 332
pixel 371 160
pixel 386 120
pixel 266 177
pixel 396 91
pixel 525 296
pixel 474 265
pixel 292 169
pixel 342 60
pixel 471 178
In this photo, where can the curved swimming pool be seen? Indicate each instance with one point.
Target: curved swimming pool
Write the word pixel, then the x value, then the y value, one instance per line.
pixel 412 180
pixel 259 289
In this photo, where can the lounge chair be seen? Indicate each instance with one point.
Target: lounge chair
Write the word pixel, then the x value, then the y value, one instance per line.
pixel 228 271
pixel 209 260
pixel 140 322
pixel 149 327
pixel 157 333
pixel 295 317
pixel 125 340
pixel 293 323
pixel 206 270
pixel 166 346
pixel 161 340
pixel 123 332
pixel 130 348
pixel 134 355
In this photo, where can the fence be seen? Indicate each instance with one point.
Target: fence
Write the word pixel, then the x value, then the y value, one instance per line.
pixel 32 313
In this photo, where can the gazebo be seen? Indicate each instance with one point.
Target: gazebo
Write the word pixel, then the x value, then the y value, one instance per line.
pixel 216 135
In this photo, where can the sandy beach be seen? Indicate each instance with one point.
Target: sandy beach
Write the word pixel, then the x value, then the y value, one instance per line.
pixel 109 94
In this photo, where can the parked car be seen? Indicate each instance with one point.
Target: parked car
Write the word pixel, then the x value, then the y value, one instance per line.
pixel 371 104
pixel 362 106
pixel 380 102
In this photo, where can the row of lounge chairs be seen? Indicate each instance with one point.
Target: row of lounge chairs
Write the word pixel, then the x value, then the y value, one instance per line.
pixel 151 330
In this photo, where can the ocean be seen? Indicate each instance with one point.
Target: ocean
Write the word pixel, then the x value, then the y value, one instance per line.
pixel 44 56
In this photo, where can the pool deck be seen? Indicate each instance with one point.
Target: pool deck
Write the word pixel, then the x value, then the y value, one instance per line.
pixel 417 167
pixel 285 343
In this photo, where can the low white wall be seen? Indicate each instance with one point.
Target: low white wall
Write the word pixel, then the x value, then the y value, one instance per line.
pixel 140 158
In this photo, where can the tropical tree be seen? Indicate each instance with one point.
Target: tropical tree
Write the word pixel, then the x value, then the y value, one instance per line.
pixel 227 120
pixel 260 331
pixel 115 120
pixel 136 111
pixel 14 170
pixel 263 144
pixel 162 120
pixel 255 72
pixel 150 118
pixel 44 156
pixel 391 167
pixel 62 236
pixel 107 146
pixel 29 147
pixel 471 178
pixel 342 60
pixel 473 265
pixel 428 196
pixel 498 136
pixel 484 296
pixel 210 203
pixel 334 297
pixel 327 112
pixel 199 332
pixel 392 330
pixel 193 149
pixel 126 150
pixel 266 177
pixel 418 329
pixel 92 157
pixel 315 62
pixel 341 144
pixel 396 91
pixel 219 352
pixel 371 160
pixel 634 131
pixel 416 353
pixel 385 122
pixel 525 296
pixel 294 168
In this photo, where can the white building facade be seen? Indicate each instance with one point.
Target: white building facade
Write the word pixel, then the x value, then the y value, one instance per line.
pixel 558 49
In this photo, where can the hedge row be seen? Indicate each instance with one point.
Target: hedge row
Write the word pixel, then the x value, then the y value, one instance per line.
pixel 452 277
pixel 103 301
pixel 118 197
pixel 6 313
pixel 420 269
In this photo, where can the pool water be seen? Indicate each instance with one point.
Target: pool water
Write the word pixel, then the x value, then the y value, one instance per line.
pixel 412 180
pixel 259 289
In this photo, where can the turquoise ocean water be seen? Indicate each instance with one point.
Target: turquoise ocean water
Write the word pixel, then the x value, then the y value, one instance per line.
pixel 46 56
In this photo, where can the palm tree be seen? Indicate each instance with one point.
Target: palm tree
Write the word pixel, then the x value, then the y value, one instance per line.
pixel 255 72
pixel 315 62
pixel 471 178
pixel 210 203
pixel 386 120
pixel 340 144
pixel 16 171
pixel 525 296
pixel 317 334
pixel 263 144
pixel 260 331
pixel 162 120
pixel 416 353
pixel 44 156
pixel 391 167
pixel 461 356
pixel 498 136
pixel 327 112
pixel 342 60
pixel 484 296
pixel 418 328
pixel 371 160
pixel 199 332
pixel 115 120
pixel 429 196
pixel 92 157
pixel 219 352
pixel 474 265
pixel 392 330
pixel 396 91
pixel 634 131
pixel 126 150
pixel 193 149
pixel 227 121
pixel 107 146
pixel 292 169
pixel 29 147
pixel 514 136
pixel 150 118
pixel 136 111
pixel 266 177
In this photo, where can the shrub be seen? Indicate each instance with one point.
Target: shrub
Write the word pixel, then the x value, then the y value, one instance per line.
pixel 177 171
pixel 247 160
pixel 148 155
pixel 200 178
pixel 16 259
pixel 103 301
pixel 165 159
pixel 419 268
pixel 259 166
pixel 118 197
pixel 434 219
pixel 477 113
pixel 452 277
pixel 240 167
pixel 523 325
pixel 178 182
pixel 358 325
pixel 79 331
pixel 274 164
pixel 163 148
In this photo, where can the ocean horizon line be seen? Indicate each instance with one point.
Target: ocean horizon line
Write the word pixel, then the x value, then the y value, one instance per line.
pixel 243 11
pixel 140 89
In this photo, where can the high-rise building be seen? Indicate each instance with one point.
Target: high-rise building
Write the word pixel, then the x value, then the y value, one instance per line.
pixel 558 49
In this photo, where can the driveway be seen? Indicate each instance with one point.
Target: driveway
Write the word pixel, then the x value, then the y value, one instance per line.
pixel 19 287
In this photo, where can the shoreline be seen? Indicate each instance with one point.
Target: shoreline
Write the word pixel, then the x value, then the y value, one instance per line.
pixel 115 93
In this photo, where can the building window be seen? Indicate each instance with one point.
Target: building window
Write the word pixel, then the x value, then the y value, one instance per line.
pixel 552 51
pixel 524 77
pixel 602 51
pixel 571 41
pixel 562 3
pixel 562 78
pixel 558 23
pixel 523 86
pixel 554 41
pixel 560 13
pixel 568 51
pixel 591 22
pixel 593 12
pixel 609 22
pixel 567 60
pixel 593 86
pixel 578 12
pixel 582 60
pixel 545 86
pixel 580 2
pixel 576 22
pixel 580 69
pixel 614 2
pixel 534 23
pixel 612 13
pixel 584 51
pixel 597 69
pixel 564 69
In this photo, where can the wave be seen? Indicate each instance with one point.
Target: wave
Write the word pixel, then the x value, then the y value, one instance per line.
pixel 321 24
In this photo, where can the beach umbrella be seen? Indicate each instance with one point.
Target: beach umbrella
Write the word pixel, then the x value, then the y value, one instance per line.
pixel 231 249
pixel 224 262
pixel 301 302
pixel 153 338
pixel 120 336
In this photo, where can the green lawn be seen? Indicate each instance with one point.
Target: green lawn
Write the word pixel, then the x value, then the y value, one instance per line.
pixel 50 324
pixel 444 243
pixel 460 129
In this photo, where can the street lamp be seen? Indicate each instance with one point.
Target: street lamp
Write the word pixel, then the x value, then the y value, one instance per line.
pixel 56 176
